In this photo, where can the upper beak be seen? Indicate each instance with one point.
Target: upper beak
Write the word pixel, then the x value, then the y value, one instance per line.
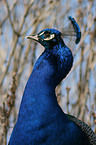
pixel 33 37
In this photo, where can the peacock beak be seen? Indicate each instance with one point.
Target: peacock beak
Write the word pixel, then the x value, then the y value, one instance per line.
pixel 33 37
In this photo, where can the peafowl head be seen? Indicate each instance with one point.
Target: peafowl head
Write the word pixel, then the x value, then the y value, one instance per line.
pixel 51 37
pixel 47 37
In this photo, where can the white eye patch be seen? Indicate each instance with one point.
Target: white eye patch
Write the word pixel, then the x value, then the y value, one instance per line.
pixel 41 33
pixel 50 37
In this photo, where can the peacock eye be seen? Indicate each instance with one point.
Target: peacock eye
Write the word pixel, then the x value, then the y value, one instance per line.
pixel 47 34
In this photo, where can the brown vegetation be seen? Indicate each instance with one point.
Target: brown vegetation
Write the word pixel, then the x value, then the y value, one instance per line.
pixel 77 93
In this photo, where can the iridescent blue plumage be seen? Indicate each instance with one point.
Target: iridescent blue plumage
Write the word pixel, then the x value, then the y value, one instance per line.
pixel 41 121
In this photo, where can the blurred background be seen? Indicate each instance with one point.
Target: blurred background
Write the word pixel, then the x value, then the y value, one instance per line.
pixel 18 18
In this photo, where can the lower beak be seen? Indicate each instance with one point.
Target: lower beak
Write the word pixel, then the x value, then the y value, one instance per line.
pixel 33 37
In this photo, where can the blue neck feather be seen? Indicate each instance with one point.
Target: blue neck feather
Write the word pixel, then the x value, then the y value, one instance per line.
pixel 39 95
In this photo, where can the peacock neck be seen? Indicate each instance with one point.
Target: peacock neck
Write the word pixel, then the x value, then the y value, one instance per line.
pixel 39 97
